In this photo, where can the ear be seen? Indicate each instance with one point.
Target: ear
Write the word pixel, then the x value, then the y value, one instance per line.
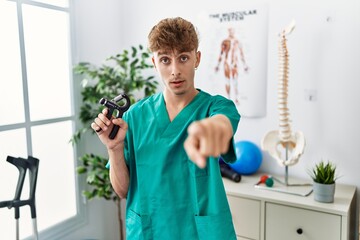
pixel 153 61
pixel 198 58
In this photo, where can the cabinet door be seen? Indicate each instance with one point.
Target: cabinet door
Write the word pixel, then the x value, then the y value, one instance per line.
pixel 284 223
pixel 246 217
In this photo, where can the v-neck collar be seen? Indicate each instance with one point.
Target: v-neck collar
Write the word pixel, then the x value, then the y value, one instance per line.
pixel 163 116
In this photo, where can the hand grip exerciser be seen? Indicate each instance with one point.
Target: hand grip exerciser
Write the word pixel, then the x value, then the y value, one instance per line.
pixel 112 106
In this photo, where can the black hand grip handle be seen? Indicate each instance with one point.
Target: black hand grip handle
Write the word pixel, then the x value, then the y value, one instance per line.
pixel 110 113
pixel 114 131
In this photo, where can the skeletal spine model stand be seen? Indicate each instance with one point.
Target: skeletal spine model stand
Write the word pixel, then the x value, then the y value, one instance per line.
pixel 291 144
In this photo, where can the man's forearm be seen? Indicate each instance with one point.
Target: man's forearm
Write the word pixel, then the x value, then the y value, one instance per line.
pixel 119 173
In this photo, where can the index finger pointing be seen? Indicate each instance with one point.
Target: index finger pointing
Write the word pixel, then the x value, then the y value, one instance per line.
pixel 191 146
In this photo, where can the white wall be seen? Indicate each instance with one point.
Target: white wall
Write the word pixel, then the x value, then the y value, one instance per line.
pixel 324 52
pixel 323 56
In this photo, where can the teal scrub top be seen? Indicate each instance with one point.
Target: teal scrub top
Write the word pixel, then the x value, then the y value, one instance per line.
pixel 169 197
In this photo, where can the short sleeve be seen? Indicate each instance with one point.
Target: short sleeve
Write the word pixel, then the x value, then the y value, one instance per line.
pixel 224 106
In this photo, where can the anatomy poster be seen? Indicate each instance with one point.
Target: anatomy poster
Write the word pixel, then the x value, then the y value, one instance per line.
pixel 234 57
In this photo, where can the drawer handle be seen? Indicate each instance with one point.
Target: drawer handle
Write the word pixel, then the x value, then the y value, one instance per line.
pixel 299 231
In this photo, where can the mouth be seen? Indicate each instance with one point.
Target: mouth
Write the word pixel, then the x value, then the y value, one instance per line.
pixel 177 83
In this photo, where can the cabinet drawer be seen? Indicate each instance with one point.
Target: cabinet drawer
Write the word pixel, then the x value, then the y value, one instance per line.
pixel 246 217
pixel 283 223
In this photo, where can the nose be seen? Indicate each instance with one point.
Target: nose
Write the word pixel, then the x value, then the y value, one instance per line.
pixel 175 71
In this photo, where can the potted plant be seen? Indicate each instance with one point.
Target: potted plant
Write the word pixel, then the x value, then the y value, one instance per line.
pixel 324 177
pixel 122 73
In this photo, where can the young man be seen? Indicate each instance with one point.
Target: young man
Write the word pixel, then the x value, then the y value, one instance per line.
pixel 164 159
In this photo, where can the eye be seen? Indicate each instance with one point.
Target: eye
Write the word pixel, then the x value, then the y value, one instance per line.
pixel 184 58
pixel 165 60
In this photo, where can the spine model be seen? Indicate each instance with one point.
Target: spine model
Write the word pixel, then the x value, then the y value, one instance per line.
pixel 283 83
pixel 284 145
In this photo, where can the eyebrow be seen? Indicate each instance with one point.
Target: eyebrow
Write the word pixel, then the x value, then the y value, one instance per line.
pixel 168 53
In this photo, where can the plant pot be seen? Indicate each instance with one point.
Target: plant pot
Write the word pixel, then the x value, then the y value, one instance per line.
pixel 324 192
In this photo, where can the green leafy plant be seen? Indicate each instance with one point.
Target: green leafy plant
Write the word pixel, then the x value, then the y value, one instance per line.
pixel 122 73
pixel 97 176
pixel 324 173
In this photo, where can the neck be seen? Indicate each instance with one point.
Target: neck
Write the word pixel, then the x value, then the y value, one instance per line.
pixel 175 103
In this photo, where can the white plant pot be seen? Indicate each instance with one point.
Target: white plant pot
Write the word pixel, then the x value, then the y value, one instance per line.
pixel 324 192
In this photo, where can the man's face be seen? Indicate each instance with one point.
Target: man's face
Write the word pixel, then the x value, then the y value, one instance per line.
pixel 177 69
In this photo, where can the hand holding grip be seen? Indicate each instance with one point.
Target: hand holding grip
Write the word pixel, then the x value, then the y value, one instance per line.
pixel 112 106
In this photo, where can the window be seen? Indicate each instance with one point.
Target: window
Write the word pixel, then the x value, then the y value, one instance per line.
pixel 36 111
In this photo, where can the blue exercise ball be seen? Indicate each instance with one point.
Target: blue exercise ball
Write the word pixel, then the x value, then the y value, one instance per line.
pixel 248 158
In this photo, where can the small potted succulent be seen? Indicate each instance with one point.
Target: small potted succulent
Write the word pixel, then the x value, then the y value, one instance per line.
pixel 324 177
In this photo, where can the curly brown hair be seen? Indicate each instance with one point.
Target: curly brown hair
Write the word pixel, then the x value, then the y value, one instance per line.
pixel 173 34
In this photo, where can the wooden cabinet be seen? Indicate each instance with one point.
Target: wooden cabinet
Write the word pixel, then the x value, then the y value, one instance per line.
pixel 260 214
